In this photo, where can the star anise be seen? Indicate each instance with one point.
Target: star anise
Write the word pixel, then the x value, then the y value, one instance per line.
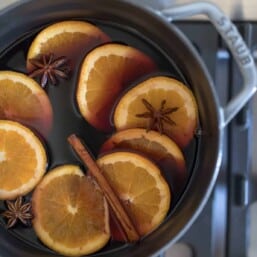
pixel 49 68
pixel 157 117
pixel 17 211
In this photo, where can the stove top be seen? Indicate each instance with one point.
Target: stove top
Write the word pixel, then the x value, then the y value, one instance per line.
pixel 226 227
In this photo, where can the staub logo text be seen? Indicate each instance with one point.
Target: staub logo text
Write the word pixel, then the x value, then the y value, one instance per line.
pixel 235 40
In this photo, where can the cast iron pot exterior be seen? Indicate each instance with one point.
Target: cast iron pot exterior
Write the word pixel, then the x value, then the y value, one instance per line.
pixel 25 16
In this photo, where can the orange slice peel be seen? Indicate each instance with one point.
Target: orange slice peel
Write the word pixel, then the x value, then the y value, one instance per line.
pixel 147 205
pixel 23 160
pixel 159 148
pixel 70 38
pixel 105 73
pixel 164 95
pixel 70 213
pixel 23 100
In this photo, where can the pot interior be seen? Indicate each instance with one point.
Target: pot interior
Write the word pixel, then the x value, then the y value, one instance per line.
pixel 174 57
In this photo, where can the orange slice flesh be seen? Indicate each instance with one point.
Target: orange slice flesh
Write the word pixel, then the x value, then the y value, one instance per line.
pixel 140 186
pixel 105 72
pixel 159 148
pixel 156 90
pixel 70 213
pixel 23 100
pixel 22 160
pixel 72 39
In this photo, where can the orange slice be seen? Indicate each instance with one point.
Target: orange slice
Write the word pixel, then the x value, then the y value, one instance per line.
pixel 159 148
pixel 72 39
pixel 105 72
pixel 140 186
pixel 70 212
pixel 171 97
pixel 23 100
pixel 22 160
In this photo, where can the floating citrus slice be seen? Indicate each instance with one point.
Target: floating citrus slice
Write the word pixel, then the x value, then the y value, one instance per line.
pixel 22 160
pixel 70 213
pixel 72 39
pixel 159 103
pixel 140 186
pixel 160 148
pixel 23 100
pixel 105 72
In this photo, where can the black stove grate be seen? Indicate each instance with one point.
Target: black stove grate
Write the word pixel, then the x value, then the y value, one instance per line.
pixel 221 230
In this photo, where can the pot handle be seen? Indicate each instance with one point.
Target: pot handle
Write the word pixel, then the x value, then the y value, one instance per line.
pixel 235 43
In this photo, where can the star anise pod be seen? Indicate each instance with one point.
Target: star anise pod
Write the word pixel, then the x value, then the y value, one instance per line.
pixel 49 68
pixel 157 116
pixel 17 211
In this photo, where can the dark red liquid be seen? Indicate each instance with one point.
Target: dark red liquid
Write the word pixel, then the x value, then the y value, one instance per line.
pixel 67 119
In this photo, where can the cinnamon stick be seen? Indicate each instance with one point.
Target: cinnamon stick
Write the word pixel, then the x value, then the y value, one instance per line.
pixel 114 202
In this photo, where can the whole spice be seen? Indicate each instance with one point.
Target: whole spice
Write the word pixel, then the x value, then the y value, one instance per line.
pixel 157 116
pixel 118 210
pixel 17 211
pixel 49 68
